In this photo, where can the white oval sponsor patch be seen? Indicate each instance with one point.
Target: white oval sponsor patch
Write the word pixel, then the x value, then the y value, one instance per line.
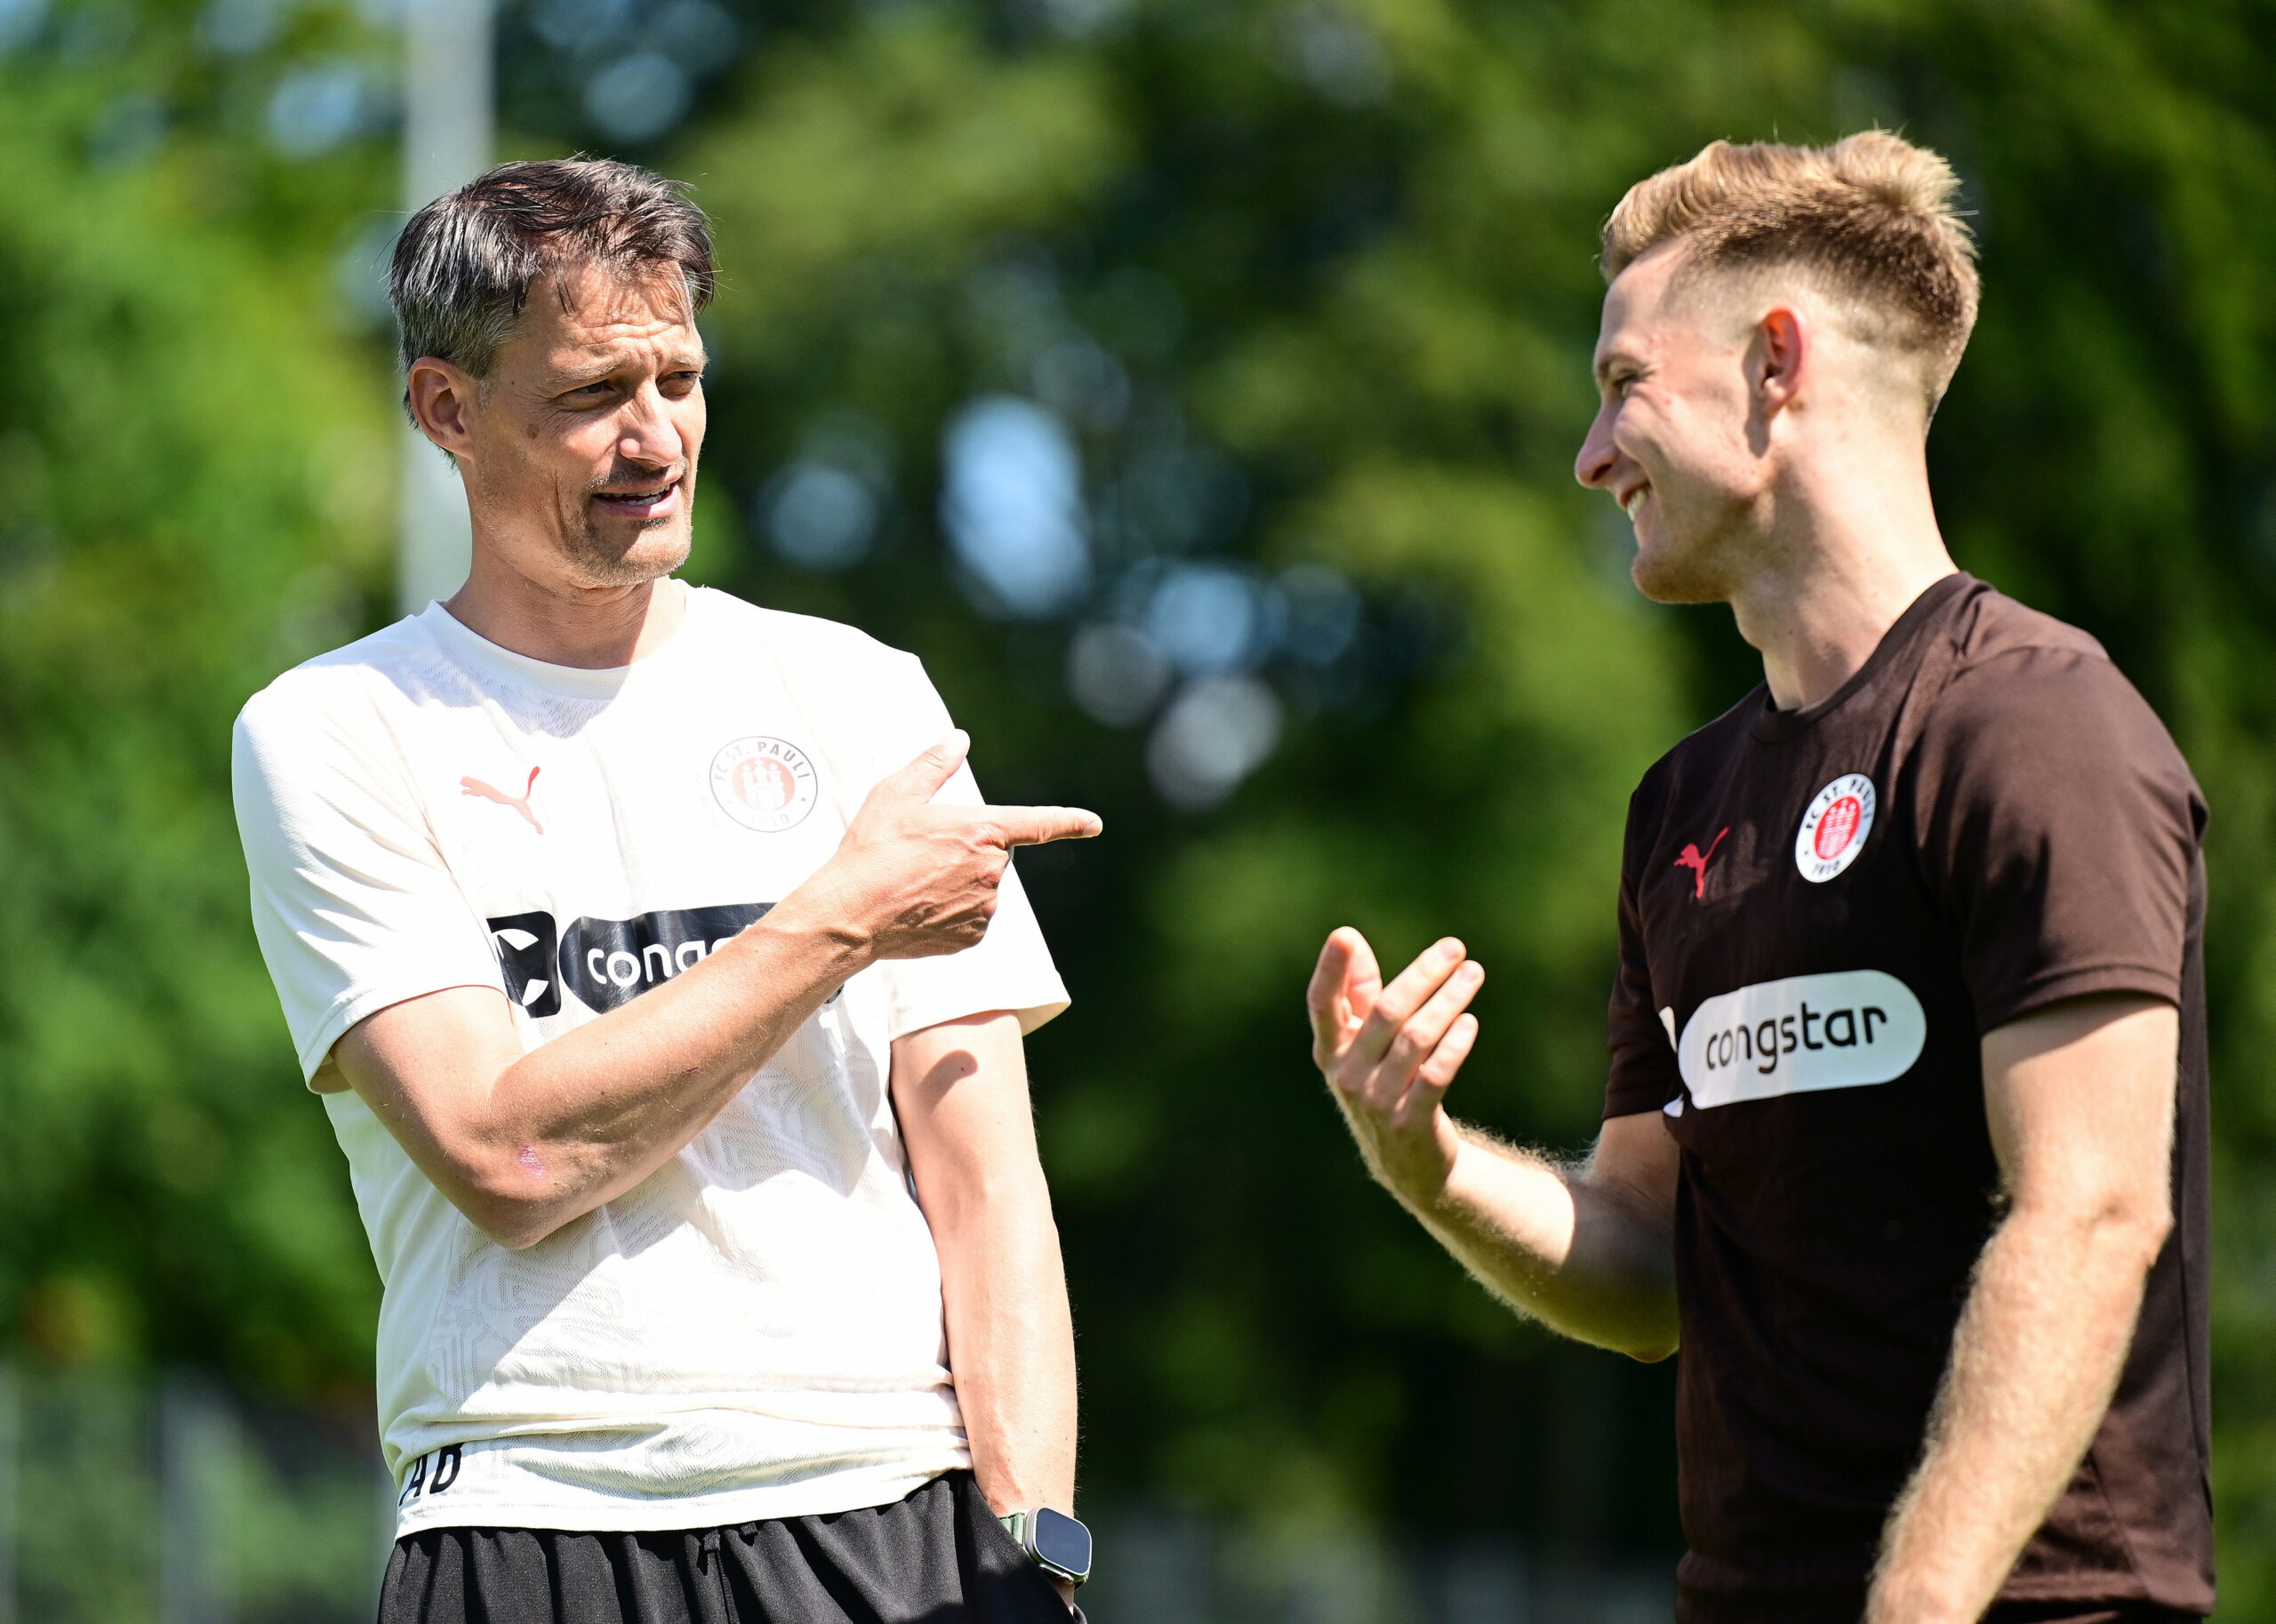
pixel 764 784
pixel 1849 1029
pixel 1833 831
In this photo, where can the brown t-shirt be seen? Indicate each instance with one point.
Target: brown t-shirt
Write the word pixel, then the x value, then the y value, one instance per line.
pixel 1821 912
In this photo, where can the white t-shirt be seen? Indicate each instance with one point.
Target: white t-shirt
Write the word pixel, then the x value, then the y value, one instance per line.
pixel 756 1330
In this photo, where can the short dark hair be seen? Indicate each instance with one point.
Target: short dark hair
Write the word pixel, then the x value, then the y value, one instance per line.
pixel 463 268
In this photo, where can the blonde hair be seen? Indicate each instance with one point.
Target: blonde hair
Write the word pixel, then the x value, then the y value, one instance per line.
pixel 1870 218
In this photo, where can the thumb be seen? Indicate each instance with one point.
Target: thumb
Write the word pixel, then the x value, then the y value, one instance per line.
pixel 1325 998
pixel 1363 981
pixel 1344 988
pixel 921 779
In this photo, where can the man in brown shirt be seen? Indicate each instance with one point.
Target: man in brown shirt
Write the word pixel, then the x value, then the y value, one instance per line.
pixel 1904 1139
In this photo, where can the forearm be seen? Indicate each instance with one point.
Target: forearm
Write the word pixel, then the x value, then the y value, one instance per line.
pixel 622 1085
pixel 1011 1346
pixel 2035 1360
pixel 525 1142
pixel 1582 1257
pixel 960 1091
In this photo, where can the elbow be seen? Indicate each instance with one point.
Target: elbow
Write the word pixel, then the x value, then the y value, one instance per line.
pixel 2145 1233
pixel 1653 1340
pixel 1647 1332
pixel 988 1204
pixel 515 1228
pixel 2134 1226
pixel 2122 1232
pixel 514 1224
pixel 512 1207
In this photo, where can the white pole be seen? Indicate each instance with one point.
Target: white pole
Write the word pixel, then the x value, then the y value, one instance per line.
pixel 447 127
pixel 197 1503
pixel 12 1499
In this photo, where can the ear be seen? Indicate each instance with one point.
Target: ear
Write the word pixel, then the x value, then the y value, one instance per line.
pixel 442 398
pixel 1780 357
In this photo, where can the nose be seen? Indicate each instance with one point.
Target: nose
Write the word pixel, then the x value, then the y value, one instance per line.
pixel 647 432
pixel 1593 466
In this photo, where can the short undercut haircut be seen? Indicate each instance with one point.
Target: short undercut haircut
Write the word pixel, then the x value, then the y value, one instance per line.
pixel 463 266
pixel 1870 219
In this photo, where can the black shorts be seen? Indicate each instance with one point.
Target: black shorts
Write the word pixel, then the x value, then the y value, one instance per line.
pixel 939 1556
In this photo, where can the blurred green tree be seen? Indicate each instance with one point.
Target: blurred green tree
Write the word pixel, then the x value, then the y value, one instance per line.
pixel 193 493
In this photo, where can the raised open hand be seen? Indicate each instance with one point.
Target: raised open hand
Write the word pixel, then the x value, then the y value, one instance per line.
pixel 1389 1054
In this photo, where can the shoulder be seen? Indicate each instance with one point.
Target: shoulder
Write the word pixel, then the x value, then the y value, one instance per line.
pixel 2029 699
pixel 2015 669
pixel 856 689
pixel 804 639
pixel 336 693
pixel 1988 625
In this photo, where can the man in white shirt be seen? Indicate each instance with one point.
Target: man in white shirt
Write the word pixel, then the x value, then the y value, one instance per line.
pixel 664 977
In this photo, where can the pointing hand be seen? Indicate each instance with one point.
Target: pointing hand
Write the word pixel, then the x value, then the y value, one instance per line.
pixel 916 879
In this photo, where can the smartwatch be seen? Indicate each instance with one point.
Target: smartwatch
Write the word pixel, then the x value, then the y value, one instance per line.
pixel 1059 1545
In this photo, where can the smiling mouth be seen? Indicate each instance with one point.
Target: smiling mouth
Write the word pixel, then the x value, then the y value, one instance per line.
pixel 637 501
pixel 1634 501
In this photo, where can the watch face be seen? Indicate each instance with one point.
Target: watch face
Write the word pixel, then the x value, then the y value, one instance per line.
pixel 1061 1541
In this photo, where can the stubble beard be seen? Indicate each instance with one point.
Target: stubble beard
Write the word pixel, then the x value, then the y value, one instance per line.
pixel 599 563
pixel 592 559
pixel 598 560
pixel 1702 563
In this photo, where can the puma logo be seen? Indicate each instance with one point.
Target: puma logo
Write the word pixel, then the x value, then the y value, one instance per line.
pixel 1696 860
pixel 519 803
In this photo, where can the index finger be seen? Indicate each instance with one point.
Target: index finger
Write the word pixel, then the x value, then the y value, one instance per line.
pixel 1035 826
pixel 1406 994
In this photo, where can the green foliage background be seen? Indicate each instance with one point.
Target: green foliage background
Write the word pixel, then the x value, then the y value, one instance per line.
pixel 1360 288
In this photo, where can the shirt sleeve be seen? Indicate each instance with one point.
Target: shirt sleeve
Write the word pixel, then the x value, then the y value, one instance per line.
pixel 1011 967
pixel 1643 1075
pixel 2062 827
pixel 351 901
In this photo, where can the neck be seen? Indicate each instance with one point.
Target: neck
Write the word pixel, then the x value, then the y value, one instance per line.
pixel 1843 558
pixel 590 627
